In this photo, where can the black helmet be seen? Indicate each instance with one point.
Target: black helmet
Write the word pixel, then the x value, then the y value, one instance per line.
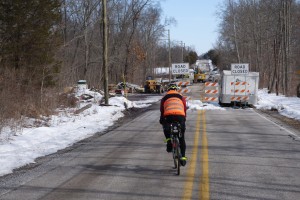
pixel 172 86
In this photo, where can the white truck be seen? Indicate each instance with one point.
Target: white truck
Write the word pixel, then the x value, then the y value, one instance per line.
pixel 202 69
pixel 204 65
pixel 238 88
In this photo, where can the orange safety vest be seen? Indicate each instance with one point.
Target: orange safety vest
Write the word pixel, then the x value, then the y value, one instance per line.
pixel 173 106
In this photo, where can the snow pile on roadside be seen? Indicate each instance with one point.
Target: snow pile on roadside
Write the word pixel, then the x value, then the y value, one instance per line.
pixel 198 105
pixel 20 147
pixel 287 106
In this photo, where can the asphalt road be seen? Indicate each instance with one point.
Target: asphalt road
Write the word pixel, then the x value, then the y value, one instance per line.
pixel 233 154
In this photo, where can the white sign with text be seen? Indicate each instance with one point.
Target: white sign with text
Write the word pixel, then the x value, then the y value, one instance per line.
pixel 239 68
pixel 180 68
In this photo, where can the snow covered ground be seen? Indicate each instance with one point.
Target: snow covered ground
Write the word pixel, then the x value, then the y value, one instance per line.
pixel 20 147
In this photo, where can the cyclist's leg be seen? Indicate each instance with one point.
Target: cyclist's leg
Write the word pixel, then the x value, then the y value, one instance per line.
pixel 167 129
pixel 183 159
pixel 182 143
pixel 181 120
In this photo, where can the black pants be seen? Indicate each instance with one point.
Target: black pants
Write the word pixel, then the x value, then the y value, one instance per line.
pixel 167 129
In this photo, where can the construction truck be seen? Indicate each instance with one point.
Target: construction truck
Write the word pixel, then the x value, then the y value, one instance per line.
pixel 201 70
pixel 199 76
pixel 153 86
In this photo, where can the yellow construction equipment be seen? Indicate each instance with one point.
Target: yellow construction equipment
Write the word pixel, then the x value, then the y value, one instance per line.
pixel 152 86
pixel 199 77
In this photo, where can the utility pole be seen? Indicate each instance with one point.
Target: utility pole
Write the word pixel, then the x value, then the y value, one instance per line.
pixel 105 49
pixel 182 51
pixel 170 76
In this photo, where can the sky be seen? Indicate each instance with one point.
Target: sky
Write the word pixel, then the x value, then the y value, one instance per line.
pixel 21 147
pixel 197 22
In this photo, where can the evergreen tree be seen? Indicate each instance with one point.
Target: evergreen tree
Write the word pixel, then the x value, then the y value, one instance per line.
pixel 191 58
pixel 213 56
pixel 28 32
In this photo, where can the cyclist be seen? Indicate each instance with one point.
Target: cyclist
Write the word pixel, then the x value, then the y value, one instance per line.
pixel 173 109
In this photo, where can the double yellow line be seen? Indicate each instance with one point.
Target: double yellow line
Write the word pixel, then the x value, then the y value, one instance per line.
pixel 204 179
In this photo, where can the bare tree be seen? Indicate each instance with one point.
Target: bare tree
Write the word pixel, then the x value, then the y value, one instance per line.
pixel 260 33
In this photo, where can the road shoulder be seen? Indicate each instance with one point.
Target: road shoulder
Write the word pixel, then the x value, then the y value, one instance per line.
pixel 282 121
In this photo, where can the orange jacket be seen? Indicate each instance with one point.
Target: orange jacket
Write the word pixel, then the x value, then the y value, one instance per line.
pixel 173 103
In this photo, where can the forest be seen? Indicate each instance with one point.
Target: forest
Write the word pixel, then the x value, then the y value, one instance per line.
pixel 264 34
pixel 47 45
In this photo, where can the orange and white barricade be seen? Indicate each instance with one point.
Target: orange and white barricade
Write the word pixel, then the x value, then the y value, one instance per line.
pixel 240 91
pixel 182 83
pixel 240 98
pixel 210 99
pixel 184 90
pixel 239 83
pixel 211 92
pixel 213 84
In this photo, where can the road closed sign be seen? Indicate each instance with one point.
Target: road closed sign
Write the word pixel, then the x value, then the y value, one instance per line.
pixel 180 68
pixel 240 69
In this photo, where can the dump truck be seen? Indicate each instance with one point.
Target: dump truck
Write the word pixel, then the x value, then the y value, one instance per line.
pixel 201 70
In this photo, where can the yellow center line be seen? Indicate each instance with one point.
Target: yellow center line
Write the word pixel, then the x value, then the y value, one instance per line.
pixel 204 183
pixel 188 188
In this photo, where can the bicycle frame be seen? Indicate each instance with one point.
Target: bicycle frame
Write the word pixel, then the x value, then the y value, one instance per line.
pixel 175 134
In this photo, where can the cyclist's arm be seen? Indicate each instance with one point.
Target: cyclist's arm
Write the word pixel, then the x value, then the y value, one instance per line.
pixel 161 109
pixel 184 104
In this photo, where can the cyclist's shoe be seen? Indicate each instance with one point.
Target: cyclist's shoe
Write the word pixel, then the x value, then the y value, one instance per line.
pixel 183 160
pixel 169 146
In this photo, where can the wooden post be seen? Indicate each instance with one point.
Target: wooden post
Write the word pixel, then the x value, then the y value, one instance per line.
pixel 105 50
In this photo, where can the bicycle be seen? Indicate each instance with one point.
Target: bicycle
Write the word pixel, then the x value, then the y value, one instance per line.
pixel 176 153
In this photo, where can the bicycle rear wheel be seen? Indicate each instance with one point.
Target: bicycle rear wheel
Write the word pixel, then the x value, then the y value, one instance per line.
pixel 174 157
pixel 178 160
